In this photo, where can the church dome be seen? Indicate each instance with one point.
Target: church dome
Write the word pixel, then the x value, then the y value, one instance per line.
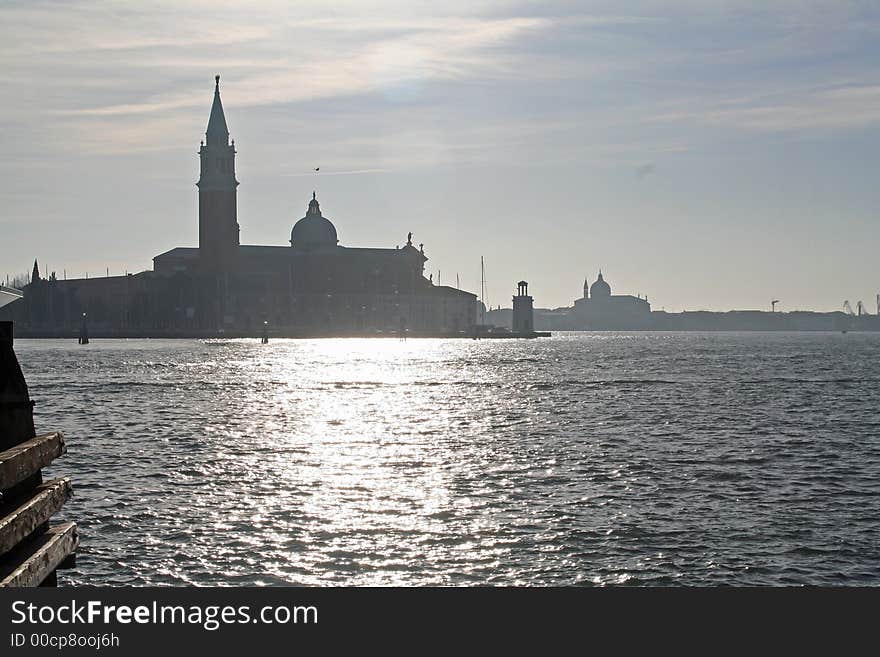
pixel 314 231
pixel 600 289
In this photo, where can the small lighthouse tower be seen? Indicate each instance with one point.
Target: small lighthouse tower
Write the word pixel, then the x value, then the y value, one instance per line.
pixel 523 313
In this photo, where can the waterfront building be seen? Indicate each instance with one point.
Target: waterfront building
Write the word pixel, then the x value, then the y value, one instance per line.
pixel 311 286
pixel 600 309
pixel 523 314
pixel 597 310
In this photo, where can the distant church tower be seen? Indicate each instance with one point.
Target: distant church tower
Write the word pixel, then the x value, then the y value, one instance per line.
pixel 218 223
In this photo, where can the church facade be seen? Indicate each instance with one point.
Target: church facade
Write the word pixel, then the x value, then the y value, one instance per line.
pixel 598 309
pixel 311 286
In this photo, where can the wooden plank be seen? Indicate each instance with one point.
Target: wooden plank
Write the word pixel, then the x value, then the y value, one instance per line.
pixel 20 462
pixel 17 523
pixel 37 559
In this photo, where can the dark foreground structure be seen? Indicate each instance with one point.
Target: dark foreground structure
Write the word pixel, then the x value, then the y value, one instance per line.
pixel 31 550
pixel 311 287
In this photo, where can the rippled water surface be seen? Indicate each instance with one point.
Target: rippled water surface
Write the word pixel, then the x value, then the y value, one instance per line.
pixel 581 459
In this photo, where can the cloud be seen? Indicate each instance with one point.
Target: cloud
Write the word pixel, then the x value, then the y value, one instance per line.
pixel 823 109
pixel 331 173
pixel 428 50
pixel 645 170
pixel 140 79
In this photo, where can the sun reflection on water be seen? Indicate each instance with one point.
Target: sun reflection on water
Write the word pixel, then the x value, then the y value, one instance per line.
pixel 582 459
pixel 359 449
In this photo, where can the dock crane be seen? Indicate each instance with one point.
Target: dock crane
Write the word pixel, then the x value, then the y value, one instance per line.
pixel 773 305
pixel 847 308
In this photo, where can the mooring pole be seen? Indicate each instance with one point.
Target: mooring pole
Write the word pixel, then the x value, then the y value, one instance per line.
pixel 84 331
pixel 16 407
pixel 31 548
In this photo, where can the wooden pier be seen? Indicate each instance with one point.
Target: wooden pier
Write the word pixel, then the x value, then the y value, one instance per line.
pixel 32 548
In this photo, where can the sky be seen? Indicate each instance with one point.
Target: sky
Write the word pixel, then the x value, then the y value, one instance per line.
pixel 709 155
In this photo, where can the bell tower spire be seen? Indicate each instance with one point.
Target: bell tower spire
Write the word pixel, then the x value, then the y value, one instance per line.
pixel 217 132
pixel 218 222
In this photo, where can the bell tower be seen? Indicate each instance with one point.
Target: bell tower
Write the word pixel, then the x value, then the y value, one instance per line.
pixel 218 223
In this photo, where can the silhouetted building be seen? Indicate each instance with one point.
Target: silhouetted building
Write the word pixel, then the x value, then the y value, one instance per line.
pixel 523 320
pixel 599 309
pixel 313 286
pixel 218 209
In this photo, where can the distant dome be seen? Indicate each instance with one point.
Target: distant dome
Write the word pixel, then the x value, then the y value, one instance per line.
pixel 314 231
pixel 600 289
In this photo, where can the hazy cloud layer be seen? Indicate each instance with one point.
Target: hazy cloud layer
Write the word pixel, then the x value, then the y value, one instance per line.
pixel 508 97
